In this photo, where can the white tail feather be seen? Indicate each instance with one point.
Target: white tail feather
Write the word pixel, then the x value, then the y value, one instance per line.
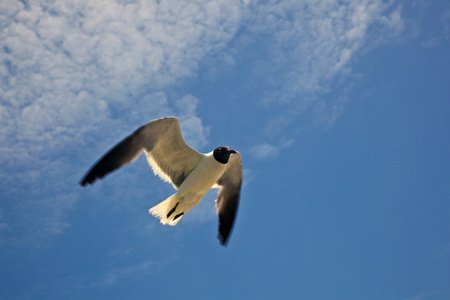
pixel 162 209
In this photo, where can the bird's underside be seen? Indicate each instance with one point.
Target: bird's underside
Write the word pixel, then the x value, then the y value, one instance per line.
pixel 189 171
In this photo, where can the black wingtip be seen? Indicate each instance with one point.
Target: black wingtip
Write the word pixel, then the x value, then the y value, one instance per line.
pixel 226 222
pixel 223 235
pixel 87 180
pixel 83 183
pixel 221 240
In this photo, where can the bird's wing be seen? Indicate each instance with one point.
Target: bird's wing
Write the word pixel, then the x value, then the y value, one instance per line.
pixel 168 154
pixel 228 197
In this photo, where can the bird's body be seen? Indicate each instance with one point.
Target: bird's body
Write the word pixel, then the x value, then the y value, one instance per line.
pixel 191 191
pixel 193 174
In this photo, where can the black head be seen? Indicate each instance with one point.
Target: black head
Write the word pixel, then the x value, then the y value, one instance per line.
pixel 222 154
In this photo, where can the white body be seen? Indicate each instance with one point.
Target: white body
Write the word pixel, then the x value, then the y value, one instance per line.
pixel 192 190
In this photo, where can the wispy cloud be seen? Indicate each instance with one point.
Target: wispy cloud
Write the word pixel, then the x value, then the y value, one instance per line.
pixel 266 150
pixel 191 125
pixel 437 294
pixel 77 74
pixel 119 274
pixel 31 222
pixel 69 66
pixel 306 53
pixel 441 251
pixel 421 296
pixel 441 24
pixel 314 45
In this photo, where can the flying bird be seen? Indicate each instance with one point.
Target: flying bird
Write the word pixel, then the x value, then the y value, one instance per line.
pixel 191 173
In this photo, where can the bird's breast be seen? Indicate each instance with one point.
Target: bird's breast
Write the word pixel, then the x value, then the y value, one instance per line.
pixel 203 177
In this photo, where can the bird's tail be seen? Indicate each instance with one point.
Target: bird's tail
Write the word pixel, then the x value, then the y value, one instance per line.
pixel 170 210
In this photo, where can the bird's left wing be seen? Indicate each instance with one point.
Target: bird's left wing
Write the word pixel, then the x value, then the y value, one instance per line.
pixel 228 197
pixel 161 139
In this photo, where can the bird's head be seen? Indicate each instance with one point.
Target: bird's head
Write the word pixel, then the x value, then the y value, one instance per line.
pixel 222 154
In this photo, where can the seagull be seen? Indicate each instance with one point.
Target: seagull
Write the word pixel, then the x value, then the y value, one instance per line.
pixel 191 173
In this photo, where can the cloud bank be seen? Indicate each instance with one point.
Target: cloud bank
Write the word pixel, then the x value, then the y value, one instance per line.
pixel 79 74
pixel 68 66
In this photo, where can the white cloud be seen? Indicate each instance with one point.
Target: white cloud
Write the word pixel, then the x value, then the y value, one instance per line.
pixel 192 128
pixel 421 296
pixel 267 150
pixel 30 222
pixel 436 294
pixel 71 65
pixel 313 46
pixel 441 34
pixel 77 74
pixel 119 274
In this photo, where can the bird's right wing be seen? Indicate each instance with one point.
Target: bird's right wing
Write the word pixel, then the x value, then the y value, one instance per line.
pixel 228 197
pixel 168 154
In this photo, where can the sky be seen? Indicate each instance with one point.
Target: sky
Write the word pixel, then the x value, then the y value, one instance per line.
pixel 339 108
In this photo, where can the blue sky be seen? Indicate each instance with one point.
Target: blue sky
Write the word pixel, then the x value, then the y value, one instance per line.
pixel 340 110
